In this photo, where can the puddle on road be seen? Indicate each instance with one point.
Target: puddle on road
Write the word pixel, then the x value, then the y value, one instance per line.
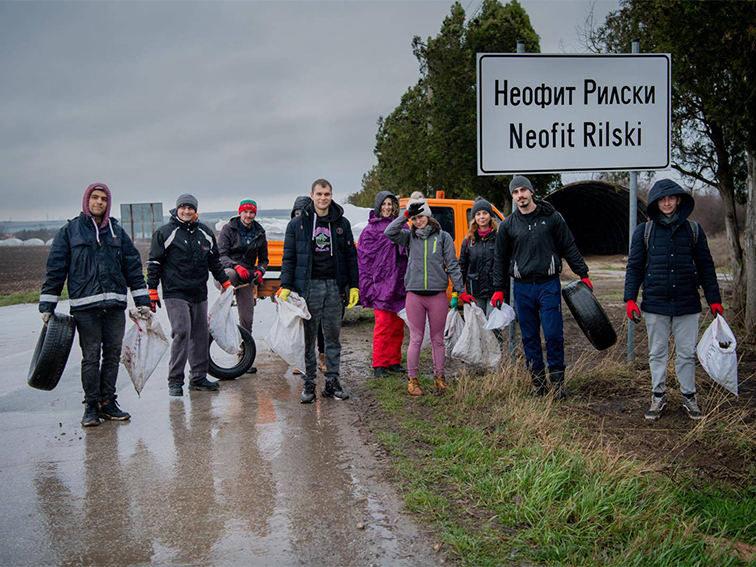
pixel 243 476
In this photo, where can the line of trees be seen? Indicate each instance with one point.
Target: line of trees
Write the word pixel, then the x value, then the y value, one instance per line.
pixel 429 141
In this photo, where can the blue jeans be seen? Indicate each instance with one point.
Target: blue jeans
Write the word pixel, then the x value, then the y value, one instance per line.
pixel 541 304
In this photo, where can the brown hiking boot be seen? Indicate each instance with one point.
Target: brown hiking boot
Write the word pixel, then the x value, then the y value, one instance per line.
pixel 414 388
pixel 322 362
pixel 439 384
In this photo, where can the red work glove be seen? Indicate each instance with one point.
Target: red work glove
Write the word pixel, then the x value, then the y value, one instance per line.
pixel 716 309
pixel 497 299
pixel 225 285
pixel 587 281
pixel 243 272
pixel 155 299
pixel 258 277
pixel 466 297
pixel 633 313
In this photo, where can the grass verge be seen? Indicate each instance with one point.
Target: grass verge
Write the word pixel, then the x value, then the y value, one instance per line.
pixel 25 297
pixel 507 477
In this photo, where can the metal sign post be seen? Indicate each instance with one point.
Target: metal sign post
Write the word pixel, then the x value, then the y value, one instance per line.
pixel 632 221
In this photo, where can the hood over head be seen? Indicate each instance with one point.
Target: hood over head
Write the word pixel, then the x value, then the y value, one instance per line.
pixel 666 188
pixel 300 204
pixel 380 197
pixel 85 202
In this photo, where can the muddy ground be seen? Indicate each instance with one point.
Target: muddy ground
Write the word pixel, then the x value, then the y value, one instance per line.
pixel 614 409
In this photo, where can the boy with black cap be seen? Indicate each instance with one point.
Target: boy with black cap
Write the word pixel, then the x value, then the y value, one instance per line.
pixel 182 252
pixel 99 260
pixel 670 257
pixel 530 245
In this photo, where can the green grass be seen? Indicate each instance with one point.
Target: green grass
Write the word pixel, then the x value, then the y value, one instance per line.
pixel 25 297
pixel 503 479
pixel 611 296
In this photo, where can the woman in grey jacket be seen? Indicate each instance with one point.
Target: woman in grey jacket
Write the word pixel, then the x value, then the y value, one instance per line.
pixel 432 261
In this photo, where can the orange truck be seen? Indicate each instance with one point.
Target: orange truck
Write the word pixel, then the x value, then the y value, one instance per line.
pixel 452 214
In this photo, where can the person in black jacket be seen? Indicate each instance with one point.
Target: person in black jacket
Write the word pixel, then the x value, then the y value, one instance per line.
pixel 99 261
pixel 476 258
pixel 670 258
pixel 182 252
pixel 244 254
pixel 530 244
pixel 320 263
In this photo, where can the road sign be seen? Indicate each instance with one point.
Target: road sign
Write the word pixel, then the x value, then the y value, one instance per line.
pixel 541 113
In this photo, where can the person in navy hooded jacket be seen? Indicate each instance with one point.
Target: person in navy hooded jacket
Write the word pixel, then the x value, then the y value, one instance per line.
pixel 670 258
pixel 99 261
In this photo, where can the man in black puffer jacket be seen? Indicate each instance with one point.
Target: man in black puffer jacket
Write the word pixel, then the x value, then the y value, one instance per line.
pixel 670 258
pixel 320 264
pixel 181 254
pixel 530 245
pixel 99 261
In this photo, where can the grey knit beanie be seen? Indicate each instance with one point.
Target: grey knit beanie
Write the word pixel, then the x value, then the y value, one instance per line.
pixel 481 204
pixel 520 181
pixel 188 200
pixel 417 197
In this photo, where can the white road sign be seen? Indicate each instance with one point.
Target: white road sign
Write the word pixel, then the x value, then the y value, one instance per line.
pixel 542 113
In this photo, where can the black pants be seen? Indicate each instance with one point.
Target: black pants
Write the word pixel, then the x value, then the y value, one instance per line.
pixel 100 333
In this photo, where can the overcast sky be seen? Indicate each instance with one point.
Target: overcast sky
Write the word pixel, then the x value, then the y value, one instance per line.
pixel 226 100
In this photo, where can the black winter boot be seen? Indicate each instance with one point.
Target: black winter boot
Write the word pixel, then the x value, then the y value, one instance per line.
pixel 539 381
pixel 308 392
pixel 557 381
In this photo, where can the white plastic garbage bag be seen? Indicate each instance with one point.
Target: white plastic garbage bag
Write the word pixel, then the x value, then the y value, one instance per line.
pixel 500 318
pixel 476 344
pixel 426 336
pixel 716 353
pixel 222 323
pixel 144 344
pixel 286 337
pixel 452 330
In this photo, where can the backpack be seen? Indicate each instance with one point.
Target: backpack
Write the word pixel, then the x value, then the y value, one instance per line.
pixel 650 224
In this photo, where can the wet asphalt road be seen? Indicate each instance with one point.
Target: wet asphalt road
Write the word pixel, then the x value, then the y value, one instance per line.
pixel 244 476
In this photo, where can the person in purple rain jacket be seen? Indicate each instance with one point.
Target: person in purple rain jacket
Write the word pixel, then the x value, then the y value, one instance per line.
pixel 382 266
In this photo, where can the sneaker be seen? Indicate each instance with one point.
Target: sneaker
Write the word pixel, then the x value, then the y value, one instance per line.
pixel 657 407
pixel 110 410
pixel 380 372
pixel 398 368
pixel 333 389
pixel 204 385
pixel 91 416
pixel 308 392
pixel 175 390
pixel 690 405
pixel 251 370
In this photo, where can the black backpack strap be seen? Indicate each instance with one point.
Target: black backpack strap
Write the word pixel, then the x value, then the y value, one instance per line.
pixel 694 229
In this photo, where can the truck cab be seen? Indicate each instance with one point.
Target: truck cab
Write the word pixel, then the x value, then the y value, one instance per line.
pixel 452 214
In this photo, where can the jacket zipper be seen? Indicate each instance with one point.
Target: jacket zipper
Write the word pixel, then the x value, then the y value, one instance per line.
pixel 425 266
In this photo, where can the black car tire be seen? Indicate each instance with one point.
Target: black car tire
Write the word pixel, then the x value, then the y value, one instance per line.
pixel 249 351
pixel 51 353
pixel 589 314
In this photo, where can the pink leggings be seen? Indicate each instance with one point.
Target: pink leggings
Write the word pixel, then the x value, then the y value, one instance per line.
pixel 436 307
